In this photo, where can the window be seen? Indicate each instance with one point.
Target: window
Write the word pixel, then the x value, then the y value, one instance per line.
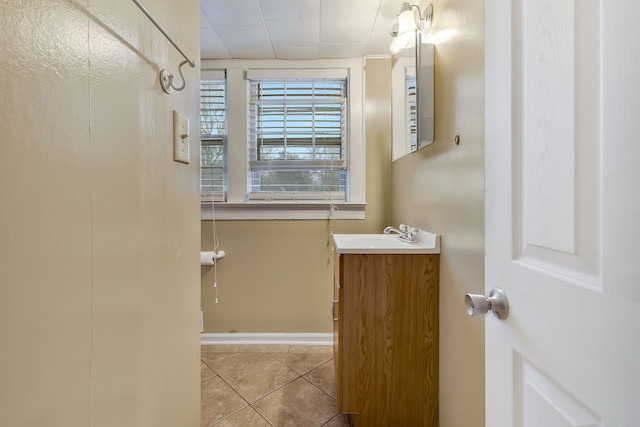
pixel 213 123
pixel 297 139
pixel 293 142
pixel 412 118
pixel 404 106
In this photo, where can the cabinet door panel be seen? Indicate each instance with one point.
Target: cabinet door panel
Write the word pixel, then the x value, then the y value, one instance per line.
pixel 388 341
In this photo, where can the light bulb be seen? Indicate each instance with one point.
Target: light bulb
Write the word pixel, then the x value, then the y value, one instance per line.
pixel 403 41
pixel 405 36
pixel 406 21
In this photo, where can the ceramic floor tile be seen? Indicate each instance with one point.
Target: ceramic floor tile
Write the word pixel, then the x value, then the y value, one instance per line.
pixel 297 404
pixel 261 375
pixel 302 362
pixel 340 420
pixel 219 348
pixel 324 349
pixel 264 348
pixel 324 377
pixel 221 362
pixel 205 372
pixel 218 401
pixel 247 417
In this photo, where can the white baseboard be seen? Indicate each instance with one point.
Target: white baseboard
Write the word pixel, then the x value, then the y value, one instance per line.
pixel 263 338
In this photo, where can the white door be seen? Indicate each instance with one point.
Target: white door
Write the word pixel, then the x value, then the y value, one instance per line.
pixel 563 212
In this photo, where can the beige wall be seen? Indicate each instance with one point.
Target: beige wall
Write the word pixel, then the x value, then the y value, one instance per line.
pixel 441 189
pixel 99 293
pixel 277 275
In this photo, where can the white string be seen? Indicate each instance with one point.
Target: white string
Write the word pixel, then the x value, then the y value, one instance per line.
pixel 214 228
pixel 215 281
pixel 216 242
pixel 331 219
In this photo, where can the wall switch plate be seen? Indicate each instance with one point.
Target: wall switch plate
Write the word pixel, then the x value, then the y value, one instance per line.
pixel 180 138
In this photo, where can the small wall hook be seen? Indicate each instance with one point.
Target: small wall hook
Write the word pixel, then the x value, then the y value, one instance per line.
pixel 166 78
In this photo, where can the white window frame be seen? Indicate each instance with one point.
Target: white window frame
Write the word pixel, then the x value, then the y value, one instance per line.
pixel 207 197
pixel 288 162
pixel 237 206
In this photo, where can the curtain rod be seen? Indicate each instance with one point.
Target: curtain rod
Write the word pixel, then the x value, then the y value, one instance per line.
pixel 166 78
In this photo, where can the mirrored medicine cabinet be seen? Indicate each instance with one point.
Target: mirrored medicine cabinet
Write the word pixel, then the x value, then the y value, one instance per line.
pixel 413 98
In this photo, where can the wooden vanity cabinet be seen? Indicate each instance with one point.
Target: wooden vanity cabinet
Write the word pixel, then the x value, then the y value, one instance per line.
pixel 386 338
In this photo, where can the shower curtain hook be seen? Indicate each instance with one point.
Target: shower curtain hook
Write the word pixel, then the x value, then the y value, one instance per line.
pixel 166 78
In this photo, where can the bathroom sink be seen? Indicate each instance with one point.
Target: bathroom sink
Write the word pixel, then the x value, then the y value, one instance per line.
pixel 427 243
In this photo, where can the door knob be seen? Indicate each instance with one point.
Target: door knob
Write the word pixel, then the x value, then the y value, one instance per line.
pixel 496 302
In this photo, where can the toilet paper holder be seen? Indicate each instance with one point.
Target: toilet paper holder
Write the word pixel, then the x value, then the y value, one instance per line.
pixel 210 257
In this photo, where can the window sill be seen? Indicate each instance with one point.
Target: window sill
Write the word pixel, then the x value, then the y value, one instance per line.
pixel 280 211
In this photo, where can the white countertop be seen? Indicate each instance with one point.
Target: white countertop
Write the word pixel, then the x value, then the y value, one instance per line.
pixel 427 243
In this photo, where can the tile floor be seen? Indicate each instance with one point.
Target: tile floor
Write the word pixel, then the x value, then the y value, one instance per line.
pixel 269 385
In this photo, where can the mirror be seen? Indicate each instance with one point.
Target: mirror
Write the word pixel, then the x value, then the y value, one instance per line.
pixel 412 98
pixel 425 90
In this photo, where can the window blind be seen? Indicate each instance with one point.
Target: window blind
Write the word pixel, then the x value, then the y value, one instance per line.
pixel 412 117
pixel 212 140
pixel 297 138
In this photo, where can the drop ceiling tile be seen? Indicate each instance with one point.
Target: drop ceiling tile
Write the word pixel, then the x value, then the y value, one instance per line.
pixel 297 29
pixel 350 11
pixel 378 45
pixel 290 9
pixel 351 6
pixel 252 53
pixel 297 52
pixel 303 33
pixel 347 22
pixel 341 50
pixel 211 46
pixel 385 20
pixel 232 12
pixel 251 38
pixel 213 54
pixel 204 22
pixel 344 31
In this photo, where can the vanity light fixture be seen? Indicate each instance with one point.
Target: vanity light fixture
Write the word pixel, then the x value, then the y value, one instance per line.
pixel 404 32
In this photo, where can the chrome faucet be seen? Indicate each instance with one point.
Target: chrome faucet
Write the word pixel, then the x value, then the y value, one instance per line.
pixel 406 233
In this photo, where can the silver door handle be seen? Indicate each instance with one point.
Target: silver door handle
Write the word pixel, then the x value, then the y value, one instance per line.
pixel 333 309
pixel 496 302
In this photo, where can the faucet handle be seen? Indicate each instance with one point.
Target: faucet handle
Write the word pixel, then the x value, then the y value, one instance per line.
pixel 412 232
